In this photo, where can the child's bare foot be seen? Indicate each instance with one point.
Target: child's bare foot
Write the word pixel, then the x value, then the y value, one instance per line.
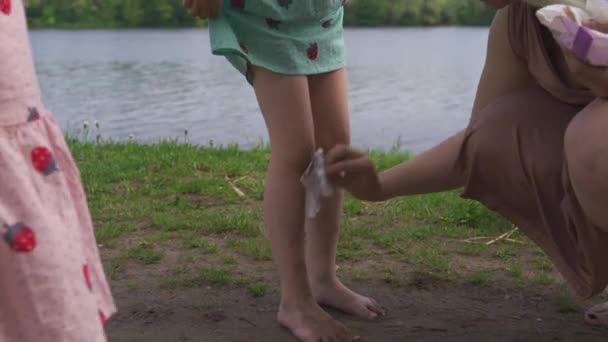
pixel 310 323
pixel 336 295
pixel 597 315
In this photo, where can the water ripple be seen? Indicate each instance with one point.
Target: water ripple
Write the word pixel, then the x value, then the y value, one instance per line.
pixel 407 86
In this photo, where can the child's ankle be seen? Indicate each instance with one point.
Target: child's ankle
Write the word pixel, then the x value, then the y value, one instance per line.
pixel 294 303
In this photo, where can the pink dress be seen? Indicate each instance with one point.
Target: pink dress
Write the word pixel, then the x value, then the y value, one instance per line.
pixel 52 283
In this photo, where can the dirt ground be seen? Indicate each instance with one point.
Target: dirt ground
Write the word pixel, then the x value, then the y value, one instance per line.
pixel 423 310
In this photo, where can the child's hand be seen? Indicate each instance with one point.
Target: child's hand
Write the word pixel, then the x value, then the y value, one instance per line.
pixel 203 8
pixel 354 171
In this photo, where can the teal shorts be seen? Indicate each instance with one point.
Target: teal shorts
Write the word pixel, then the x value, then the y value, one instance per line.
pixel 290 37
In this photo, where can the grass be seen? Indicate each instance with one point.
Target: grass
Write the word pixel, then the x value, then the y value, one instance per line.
pixel 566 303
pixel 145 253
pixel 198 211
pixel 515 271
pixel 481 278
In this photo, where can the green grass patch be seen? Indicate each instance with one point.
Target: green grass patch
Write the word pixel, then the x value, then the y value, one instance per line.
pixel 182 199
pixel 566 303
pixel 504 253
pixel 481 278
pixel 431 259
pixel 473 250
pixel 200 244
pixel 257 248
pixel 515 271
pixel 229 260
pixel 543 278
pixel 216 276
pixel 145 253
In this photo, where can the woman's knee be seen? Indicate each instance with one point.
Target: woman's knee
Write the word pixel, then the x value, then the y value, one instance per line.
pixel 586 149
pixel 586 140
pixel 505 120
pixel 518 135
pixel 523 115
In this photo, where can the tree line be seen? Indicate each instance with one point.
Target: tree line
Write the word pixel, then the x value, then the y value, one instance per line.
pixel 170 13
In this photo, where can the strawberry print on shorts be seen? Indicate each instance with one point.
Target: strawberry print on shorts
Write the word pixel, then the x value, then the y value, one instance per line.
pixel 53 287
pixel 290 37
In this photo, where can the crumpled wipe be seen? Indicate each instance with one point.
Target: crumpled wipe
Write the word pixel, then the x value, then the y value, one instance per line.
pixel 316 184
pixel 570 26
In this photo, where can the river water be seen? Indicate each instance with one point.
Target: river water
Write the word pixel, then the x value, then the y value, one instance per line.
pixel 408 87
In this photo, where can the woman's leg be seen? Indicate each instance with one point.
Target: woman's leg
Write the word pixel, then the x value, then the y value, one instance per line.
pixel 328 94
pixel 515 159
pixel 586 147
pixel 285 104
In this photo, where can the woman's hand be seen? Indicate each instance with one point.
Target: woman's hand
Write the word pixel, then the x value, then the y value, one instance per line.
pixel 602 27
pixel 592 77
pixel 354 171
pixel 203 8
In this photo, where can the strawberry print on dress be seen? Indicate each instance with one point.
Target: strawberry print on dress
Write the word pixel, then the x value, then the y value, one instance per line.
pixel 273 23
pixel 46 231
pixel 313 51
pixel 5 6
pixel 289 37
pixel 103 318
pixel 238 4
pixel 33 114
pixel 20 237
pixel 43 160
pixel 87 276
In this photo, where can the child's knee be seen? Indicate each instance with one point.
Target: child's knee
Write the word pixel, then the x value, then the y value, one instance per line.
pixel 339 136
pixel 295 157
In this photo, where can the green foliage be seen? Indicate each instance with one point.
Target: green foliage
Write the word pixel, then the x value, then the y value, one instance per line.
pixel 108 13
pixel 170 13
pixel 417 12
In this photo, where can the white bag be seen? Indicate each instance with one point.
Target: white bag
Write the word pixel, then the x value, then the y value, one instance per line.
pixel 571 27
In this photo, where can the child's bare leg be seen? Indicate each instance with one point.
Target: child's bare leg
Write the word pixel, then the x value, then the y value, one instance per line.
pixel 328 93
pixel 285 104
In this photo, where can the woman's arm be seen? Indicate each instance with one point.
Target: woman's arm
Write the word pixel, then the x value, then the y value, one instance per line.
pixel 434 170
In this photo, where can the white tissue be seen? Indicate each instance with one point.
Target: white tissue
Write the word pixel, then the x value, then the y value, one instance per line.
pixel 316 184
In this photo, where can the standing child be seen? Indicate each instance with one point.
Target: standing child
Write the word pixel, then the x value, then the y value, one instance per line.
pixel 52 284
pixel 292 52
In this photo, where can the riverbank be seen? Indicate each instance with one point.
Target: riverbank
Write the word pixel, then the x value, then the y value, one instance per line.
pixel 181 234
pixel 164 14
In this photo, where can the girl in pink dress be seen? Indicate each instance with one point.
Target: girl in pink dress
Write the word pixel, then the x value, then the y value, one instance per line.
pixel 52 284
